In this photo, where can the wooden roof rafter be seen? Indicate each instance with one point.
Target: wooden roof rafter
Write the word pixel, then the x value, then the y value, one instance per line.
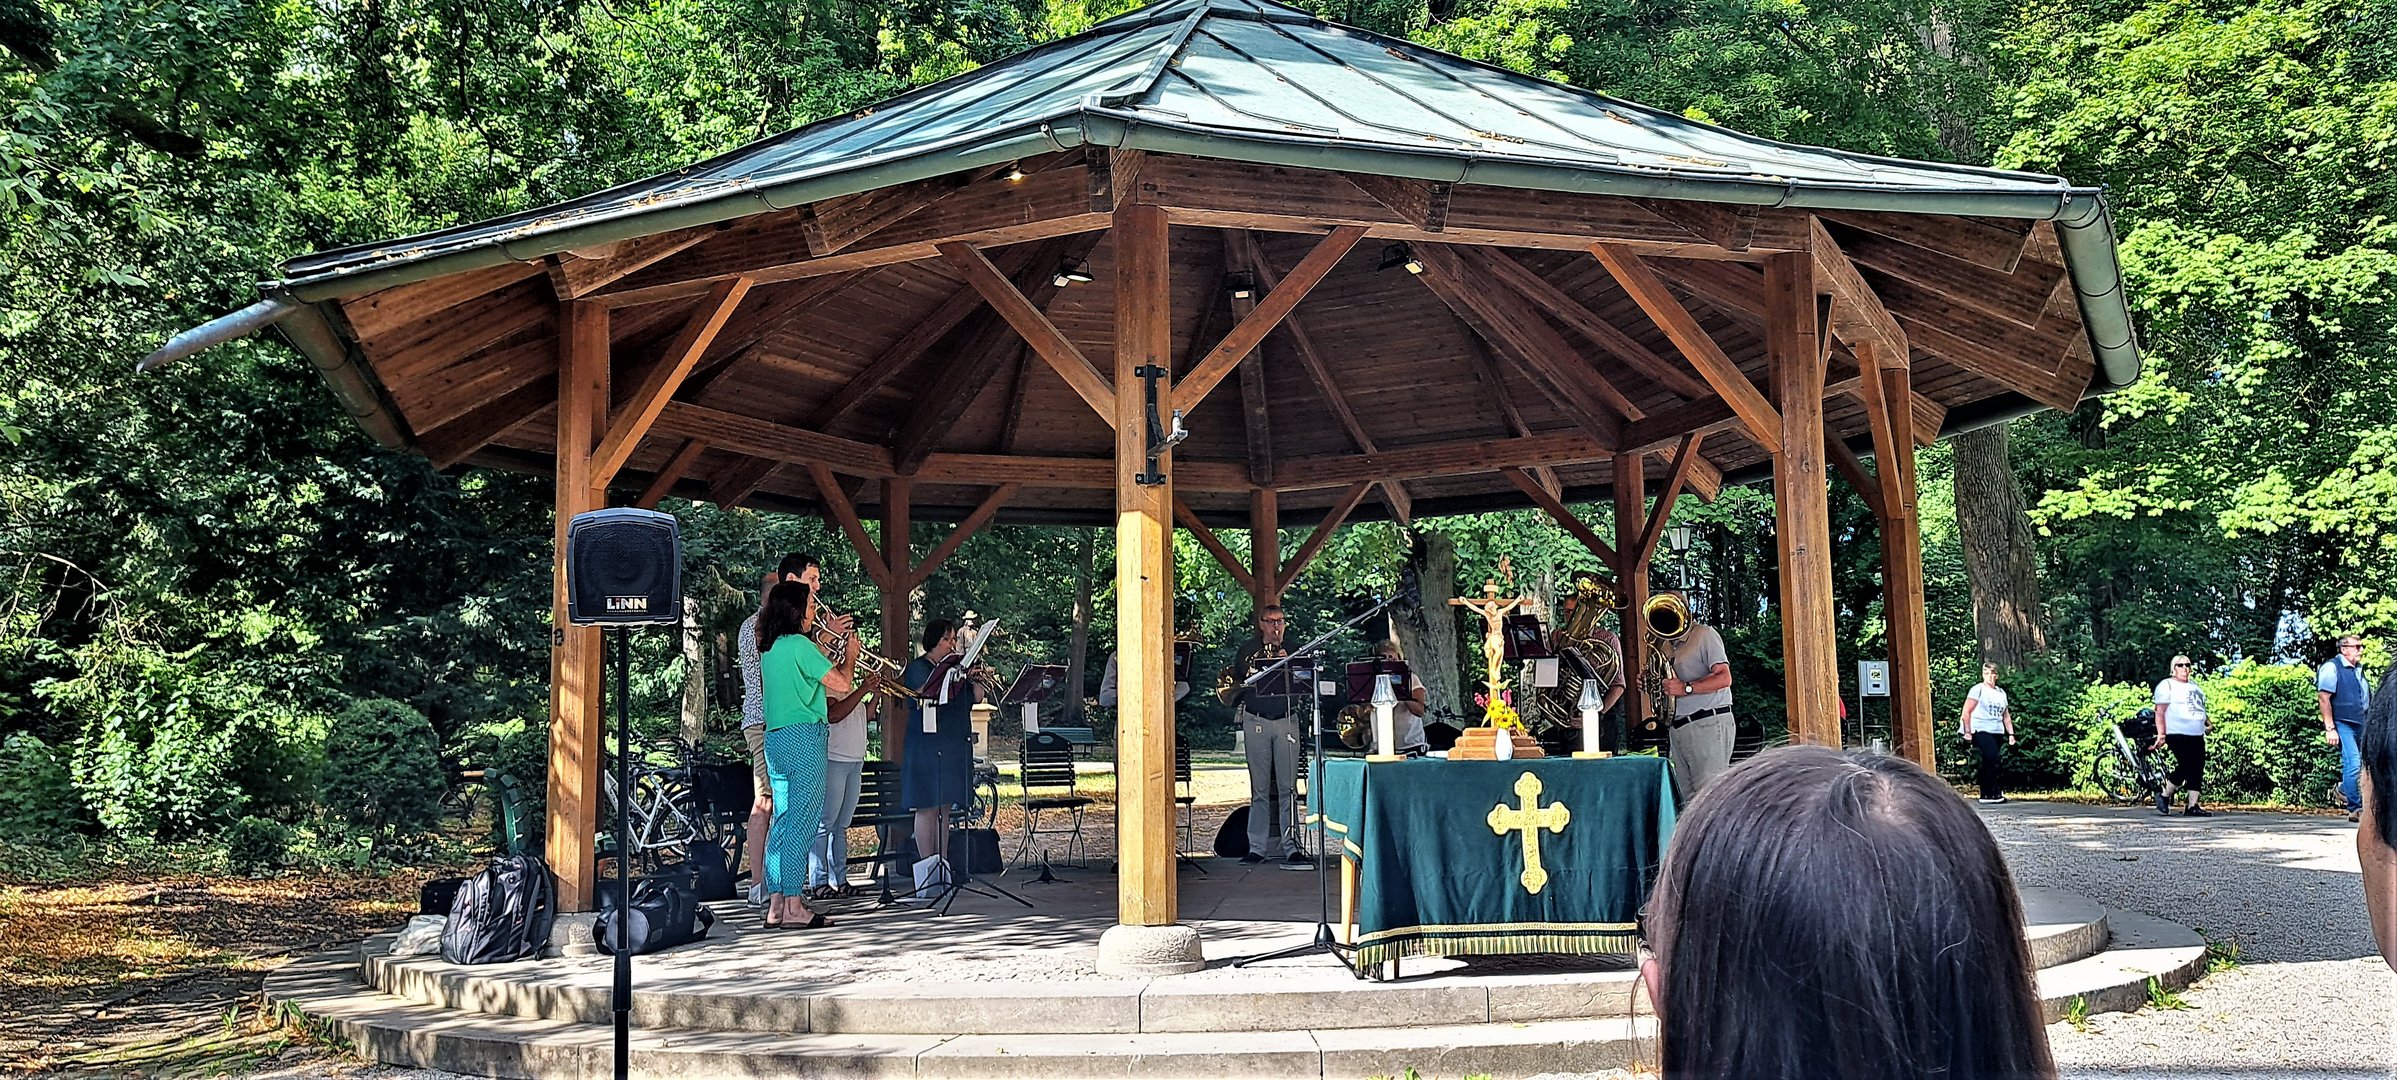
pixel 990 213
pixel 1053 347
pixel 978 354
pixel 1746 401
pixel 1242 253
pixel 1516 332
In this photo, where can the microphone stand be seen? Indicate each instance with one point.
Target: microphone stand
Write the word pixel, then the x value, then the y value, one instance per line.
pixel 1324 941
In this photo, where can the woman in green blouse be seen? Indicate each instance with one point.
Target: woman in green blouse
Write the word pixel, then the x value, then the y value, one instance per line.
pixel 796 676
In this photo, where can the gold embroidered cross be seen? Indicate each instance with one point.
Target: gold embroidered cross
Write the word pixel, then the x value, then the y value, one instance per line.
pixel 1530 818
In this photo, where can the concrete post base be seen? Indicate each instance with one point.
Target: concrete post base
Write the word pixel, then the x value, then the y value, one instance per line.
pixel 1149 950
pixel 571 935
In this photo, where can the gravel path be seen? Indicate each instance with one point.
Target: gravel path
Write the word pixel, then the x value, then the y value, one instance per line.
pixel 2309 998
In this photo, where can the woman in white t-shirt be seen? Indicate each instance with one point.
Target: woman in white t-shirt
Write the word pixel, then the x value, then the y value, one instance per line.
pixel 1988 721
pixel 844 780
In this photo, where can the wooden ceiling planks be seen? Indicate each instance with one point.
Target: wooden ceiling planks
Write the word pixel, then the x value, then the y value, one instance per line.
pixel 861 279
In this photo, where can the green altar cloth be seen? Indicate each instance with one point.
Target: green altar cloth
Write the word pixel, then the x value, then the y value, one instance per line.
pixel 1437 878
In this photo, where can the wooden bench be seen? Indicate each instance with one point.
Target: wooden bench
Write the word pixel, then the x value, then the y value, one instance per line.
pixel 880 808
pixel 1079 736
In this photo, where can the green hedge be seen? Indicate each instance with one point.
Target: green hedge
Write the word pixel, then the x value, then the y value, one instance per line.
pixel 171 746
pixel 2265 744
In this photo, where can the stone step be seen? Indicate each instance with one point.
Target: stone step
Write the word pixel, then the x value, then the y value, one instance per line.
pixel 2142 947
pixel 394 1031
pixel 2062 926
pixel 1258 999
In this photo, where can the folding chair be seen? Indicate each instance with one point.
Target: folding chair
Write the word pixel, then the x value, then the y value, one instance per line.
pixel 1048 766
pixel 1185 803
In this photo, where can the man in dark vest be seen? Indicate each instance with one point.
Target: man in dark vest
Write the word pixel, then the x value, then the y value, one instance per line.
pixel 2341 690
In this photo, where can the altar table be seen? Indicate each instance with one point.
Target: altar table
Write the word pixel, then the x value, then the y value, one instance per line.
pixel 1478 858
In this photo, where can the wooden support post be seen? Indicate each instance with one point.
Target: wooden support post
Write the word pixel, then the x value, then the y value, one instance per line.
pixel 1913 723
pixel 1631 578
pixel 1802 502
pixel 1264 549
pixel 570 843
pixel 1144 571
pixel 898 628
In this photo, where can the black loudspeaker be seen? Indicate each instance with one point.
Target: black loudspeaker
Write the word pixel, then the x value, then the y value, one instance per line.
pixel 623 568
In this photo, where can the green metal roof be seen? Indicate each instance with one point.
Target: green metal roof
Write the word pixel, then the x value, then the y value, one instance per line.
pixel 1255 81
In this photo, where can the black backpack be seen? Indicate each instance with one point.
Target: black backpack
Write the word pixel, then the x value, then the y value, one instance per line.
pixel 501 914
pixel 665 913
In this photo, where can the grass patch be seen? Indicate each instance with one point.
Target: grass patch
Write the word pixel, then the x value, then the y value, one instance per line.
pixel 2162 998
pixel 2077 1014
pixel 2221 955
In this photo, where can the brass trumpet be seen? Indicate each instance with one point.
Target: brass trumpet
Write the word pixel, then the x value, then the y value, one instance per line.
pixel 874 664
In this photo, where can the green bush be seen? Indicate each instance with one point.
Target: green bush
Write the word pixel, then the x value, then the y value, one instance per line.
pixel 172 746
pixel 382 771
pixel 37 797
pixel 256 845
pixel 2266 743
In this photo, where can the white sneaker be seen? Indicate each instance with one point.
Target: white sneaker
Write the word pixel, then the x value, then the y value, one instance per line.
pixel 757 895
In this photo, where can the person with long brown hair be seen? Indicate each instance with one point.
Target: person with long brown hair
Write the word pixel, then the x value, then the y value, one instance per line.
pixel 796 677
pixel 1841 916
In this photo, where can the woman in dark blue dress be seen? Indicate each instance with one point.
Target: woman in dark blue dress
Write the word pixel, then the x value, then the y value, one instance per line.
pixel 937 771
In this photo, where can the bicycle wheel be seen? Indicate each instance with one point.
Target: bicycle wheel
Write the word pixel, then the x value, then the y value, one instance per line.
pixel 2118 779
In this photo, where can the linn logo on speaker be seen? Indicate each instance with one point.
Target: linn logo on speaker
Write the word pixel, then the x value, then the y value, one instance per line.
pixel 627 605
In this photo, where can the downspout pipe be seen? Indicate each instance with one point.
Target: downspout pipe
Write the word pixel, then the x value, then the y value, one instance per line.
pixel 215 332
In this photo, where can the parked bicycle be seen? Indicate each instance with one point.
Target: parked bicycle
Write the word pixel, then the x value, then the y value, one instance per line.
pixel 2124 769
pixel 676 803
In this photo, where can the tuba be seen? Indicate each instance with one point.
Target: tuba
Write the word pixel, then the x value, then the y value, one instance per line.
pixel 1666 617
pixel 1600 659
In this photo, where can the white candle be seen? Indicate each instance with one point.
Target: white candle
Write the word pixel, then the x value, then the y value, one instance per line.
pixel 1385 734
pixel 1590 701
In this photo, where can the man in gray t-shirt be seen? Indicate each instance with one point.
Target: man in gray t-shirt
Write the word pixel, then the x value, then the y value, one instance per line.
pixel 1702 723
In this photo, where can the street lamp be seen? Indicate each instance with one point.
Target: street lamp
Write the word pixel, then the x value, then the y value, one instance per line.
pixel 1679 537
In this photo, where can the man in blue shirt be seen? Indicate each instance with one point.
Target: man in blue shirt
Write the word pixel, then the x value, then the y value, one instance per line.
pixel 2340 686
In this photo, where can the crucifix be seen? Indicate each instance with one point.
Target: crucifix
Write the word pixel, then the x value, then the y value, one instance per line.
pixel 1531 817
pixel 1494 611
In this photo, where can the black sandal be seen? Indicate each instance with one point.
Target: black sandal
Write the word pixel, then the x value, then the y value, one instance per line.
pixel 817 923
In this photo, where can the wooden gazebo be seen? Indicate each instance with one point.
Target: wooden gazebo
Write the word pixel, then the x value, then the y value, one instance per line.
pixel 1372 279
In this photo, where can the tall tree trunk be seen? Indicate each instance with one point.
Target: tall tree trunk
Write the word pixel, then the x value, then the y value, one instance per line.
pixel 1996 537
pixel 694 673
pixel 1427 629
pixel 1080 643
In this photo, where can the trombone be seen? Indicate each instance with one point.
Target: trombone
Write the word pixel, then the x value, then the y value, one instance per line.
pixel 875 664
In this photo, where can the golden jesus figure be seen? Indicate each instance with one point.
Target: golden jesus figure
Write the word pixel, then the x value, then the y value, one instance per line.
pixel 1494 611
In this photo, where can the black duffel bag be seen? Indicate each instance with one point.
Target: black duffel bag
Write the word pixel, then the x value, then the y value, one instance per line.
pixel 976 851
pixel 665 912
pixel 438 896
pixel 501 914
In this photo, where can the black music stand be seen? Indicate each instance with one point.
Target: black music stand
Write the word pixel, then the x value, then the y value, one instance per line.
pixel 1034 685
pixel 1324 941
pixel 1524 637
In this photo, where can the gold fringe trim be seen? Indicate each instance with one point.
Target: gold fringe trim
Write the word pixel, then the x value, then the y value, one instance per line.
pixel 1437 942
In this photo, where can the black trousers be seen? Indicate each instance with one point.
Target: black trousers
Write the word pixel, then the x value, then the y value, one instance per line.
pixel 1992 745
pixel 2188 762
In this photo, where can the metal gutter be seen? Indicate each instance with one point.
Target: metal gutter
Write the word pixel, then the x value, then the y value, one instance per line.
pixel 310 330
